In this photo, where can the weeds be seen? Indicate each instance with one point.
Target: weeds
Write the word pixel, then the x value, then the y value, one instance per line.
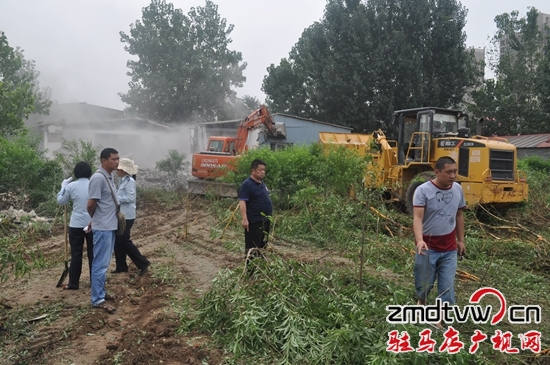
pixel 301 314
pixel 293 312
pixel 167 274
pixel 18 324
pixel 16 256
pixel 168 199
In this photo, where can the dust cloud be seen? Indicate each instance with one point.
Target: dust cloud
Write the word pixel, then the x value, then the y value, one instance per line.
pixel 142 140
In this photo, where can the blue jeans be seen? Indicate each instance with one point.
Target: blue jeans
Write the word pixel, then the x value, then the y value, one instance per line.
pixel 440 265
pixel 104 243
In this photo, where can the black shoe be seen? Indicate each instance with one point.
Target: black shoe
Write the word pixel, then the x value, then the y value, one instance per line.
pixel 117 271
pixel 144 270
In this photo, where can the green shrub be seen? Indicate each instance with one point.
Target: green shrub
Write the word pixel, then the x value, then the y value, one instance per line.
pixel 74 151
pixel 174 164
pixel 534 163
pixel 536 209
pixel 295 313
pixel 290 170
pixel 25 172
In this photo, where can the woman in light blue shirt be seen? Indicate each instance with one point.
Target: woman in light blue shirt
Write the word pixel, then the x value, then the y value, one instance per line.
pixel 77 192
pixel 126 196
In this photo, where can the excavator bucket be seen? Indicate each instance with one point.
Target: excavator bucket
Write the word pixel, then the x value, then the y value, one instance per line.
pixel 216 188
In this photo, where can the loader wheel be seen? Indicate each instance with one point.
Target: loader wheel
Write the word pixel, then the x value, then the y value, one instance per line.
pixel 410 193
pixel 416 182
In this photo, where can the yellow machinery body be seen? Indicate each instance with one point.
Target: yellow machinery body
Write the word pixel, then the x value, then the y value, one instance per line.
pixel 487 169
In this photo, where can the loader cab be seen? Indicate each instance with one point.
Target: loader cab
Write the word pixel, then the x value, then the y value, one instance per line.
pixel 418 127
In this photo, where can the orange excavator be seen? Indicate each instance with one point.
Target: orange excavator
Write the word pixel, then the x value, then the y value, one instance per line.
pixel 223 150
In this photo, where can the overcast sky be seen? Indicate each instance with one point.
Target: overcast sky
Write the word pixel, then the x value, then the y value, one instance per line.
pixel 77 48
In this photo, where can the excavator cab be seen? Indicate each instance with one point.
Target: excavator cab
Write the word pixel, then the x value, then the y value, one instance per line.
pixel 215 146
pixel 220 145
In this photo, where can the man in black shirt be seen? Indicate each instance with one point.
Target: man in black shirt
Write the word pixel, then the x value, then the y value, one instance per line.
pixel 256 208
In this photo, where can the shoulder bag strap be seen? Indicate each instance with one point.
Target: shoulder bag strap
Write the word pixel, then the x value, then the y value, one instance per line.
pixel 112 191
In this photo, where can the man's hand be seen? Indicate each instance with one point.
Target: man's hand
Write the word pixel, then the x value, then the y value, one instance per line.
pixel 242 207
pixel 461 248
pixel 421 247
pixel 245 223
pixel 66 182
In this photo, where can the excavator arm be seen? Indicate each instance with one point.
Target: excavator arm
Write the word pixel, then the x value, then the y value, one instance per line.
pixel 258 117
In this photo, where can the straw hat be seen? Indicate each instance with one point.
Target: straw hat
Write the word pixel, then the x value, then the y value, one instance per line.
pixel 128 166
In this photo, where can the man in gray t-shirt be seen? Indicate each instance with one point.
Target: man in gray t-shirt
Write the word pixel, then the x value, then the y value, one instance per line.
pixel 438 227
pixel 102 209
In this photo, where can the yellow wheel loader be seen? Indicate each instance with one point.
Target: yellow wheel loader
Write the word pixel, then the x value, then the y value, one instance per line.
pixel 487 169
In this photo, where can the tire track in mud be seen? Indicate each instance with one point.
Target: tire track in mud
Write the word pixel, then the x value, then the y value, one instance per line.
pixel 188 234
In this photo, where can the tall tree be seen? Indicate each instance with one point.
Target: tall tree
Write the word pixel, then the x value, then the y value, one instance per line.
pixel 511 102
pixel 365 59
pixel 251 102
pixel 42 95
pixel 184 68
pixel 20 93
pixel 544 80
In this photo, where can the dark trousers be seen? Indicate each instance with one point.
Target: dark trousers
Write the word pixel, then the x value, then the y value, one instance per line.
pixel 125 247
pixel 257 235
pixel 77 236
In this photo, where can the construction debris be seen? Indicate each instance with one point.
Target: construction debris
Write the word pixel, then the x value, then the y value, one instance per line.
pixel 20 216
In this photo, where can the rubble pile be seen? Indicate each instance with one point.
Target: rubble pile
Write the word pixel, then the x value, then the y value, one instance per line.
pixel 153 179
pixel 20 216
pixel 145 179
pixel 10 199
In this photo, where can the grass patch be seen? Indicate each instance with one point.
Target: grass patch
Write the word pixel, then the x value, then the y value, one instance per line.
pixel 296 312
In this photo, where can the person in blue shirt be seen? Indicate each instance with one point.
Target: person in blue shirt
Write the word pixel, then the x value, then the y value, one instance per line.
pixel 126 196
pixel 77 192
pixel 256 209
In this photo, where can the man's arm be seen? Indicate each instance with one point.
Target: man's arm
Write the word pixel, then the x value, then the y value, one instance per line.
pixel 242 206
pixel 418 216
pixel 461 246
pixel 90 207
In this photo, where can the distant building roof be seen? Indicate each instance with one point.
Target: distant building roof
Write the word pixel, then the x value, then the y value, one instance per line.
pixel 111 124
pixel 232 121
pixel 313 120
pixel 75 113
pixel 529 140
pixel 235 122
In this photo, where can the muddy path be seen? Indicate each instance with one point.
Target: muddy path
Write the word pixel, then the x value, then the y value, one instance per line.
pixel 185 257
pixel 143 330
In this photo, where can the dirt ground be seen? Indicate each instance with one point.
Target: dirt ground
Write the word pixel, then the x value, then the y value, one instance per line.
pixel 144 328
